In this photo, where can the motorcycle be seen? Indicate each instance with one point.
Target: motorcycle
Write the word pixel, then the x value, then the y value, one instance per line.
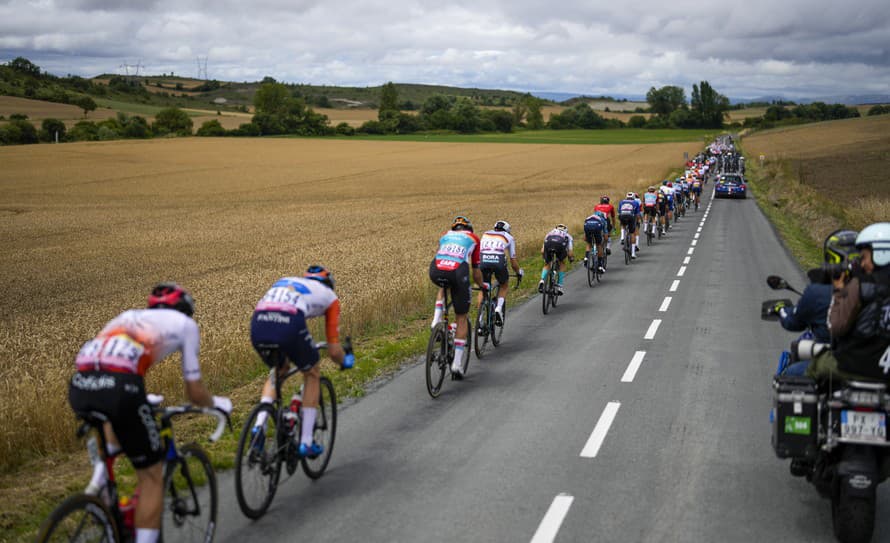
pixel 835 433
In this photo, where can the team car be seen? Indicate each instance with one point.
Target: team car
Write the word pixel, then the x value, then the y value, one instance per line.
pixel 731 185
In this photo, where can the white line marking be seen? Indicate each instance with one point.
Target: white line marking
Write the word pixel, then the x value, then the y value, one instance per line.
pixel 650 333
pixel 674 285
pixel 686 260
pixel 634 365
pixel 599 432
pixel 699 229
pixel 694 242
pixel 552 520
pixel 691 250
pixel 697 235
pixel 681 271
pixel 665 304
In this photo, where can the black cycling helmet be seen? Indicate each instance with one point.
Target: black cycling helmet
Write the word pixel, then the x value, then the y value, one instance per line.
pixel 171 296
pixel 604 199
pixel 321 274
pixel 461 223
pixel 839 247
pixel 502 226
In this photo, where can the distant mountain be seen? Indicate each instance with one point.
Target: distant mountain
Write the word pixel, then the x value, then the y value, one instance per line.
pixel 849 99
pixel 563 96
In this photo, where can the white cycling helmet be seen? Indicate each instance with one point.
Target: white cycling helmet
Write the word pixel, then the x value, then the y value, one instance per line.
pixel 876 236
pixel 502 226
pixel 629 195
pixel 562 227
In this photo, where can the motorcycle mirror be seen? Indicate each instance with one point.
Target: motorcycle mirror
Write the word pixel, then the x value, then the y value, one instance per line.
pixel 776 283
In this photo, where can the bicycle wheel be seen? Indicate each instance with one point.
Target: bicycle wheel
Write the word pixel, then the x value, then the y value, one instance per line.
pixel 190 497
pixel 484 319
pixel 649 228
pixel 625 245
pixel 466 360
pixel 545 297
pixel 436 359
pixel 497 330
pixel 591 269
pixel 600 262
pixel 257 463
pixel 554 281
pixel 325 430
pixel 79 518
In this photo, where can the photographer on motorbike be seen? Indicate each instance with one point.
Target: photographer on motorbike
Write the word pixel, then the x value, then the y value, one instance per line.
pixel 859 314
pixel 811 311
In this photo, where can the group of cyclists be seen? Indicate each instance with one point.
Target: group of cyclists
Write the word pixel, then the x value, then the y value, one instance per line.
pixel 110 368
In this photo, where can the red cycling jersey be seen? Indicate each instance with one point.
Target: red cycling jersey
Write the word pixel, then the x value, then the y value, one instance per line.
pixel 608 209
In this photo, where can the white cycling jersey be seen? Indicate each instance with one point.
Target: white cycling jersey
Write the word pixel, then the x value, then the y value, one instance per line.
pixel 137 339
pixel 567 238
pixel 497 242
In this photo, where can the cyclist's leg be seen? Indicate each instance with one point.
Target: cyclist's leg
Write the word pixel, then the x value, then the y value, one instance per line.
pixel 460 297
pixel 147 517
pixel 503 278
pixel 300 349
pixel 434 274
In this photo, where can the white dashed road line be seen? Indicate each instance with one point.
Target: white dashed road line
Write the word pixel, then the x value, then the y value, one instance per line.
pixel 691 250
pixel 634 365
pixel 674 285
pixel 682 271
pixel 552 520
pixel 592 447
pixel 650 333
pixel 665 304
pixel 694 242
pixel 686 260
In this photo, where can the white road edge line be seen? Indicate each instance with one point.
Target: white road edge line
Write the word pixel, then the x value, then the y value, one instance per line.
pixel 681 271
pixel 686 260
pixel 694 242
pixel 699 230
pixel 691 250
pixel 674 285
pixel 650 333
pixel 697 235
pixel 552 520
pixel 665 304
pixel 592 447
pixel 634 365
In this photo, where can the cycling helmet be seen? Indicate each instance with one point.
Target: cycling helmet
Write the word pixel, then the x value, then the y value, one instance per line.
pixel 630 195
pixel 502 226
pixel 651 188
pixel 562 227
pixel 665 182
pixel 839 247
pixel 670 184
pixel 462 223
pixel 171 296
pixel 321 274
pixel 637 196
pixel 877 237
pixel 604 199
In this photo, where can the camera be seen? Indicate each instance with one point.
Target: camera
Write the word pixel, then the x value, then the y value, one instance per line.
pixel 829 272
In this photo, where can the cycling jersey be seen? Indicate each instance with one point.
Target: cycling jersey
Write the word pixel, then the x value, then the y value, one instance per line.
pixel 650 199
pixel 457 247
pixel 560 236
pixel 306 296
pixel 594 226
pixel 496 242
pixel 628 208
pixel 137 339
pixel 608 209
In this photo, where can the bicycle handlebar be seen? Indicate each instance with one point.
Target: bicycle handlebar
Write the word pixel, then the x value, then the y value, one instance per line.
pixel 222 418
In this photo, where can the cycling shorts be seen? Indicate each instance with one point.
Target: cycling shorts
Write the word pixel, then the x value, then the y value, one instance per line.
pixel 121 398
pixel 593 231
pixel 650 211
pixel 499 271
pixel 458 283
pixel 696 190
pixel 555 247
pixel 629 222
pixel 275 333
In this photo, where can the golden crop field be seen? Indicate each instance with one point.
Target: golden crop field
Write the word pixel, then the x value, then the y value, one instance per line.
pixel 37 110
pixel 87 228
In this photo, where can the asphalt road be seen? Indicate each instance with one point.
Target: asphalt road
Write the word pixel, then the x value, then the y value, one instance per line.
pixel 588 424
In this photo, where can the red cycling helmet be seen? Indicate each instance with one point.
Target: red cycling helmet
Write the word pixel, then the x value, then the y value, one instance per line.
pixel 171 296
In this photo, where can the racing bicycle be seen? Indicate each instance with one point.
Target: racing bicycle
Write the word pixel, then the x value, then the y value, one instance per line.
pixel 551 283
pixel 440 349
pixel 261 453
pixel 487 327
pixel 190 492
pixel 593 264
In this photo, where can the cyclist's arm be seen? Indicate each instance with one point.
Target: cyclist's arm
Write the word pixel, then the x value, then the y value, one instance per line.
pixel 477 276
pixel 332 332
pixel 514 264
pixel 195 390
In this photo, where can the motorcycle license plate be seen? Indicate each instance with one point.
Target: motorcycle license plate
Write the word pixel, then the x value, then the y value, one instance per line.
pixel 864 426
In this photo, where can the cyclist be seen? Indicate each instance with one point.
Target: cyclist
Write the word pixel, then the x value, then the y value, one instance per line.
pixel 696 190
pixel 609 210
pixel 667 187
pixel 458 252
pixel 494 247
pixel 629 215
pixel 110 379
pixel 594 232
pixel 280 335
pixel 650 208
pixel 560 243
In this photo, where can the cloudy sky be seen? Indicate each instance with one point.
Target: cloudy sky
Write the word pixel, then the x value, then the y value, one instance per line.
pixel 795 48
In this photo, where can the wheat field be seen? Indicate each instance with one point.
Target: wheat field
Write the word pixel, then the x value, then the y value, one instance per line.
pixel 87 228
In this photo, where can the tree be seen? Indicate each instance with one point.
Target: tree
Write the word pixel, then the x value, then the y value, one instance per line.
pixel 272 98
pixel 465 115
pixel 49 128
pixel 211 128
pixel 25 66
pixel 636 121
pixel 665 100
pixel 709 104
pixel 501 120
pixel 534 118
pixel 389 100
pixel 172 120
pixel 86 103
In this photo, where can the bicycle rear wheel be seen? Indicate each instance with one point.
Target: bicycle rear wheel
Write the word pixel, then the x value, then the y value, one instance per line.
pixel 497 330
pixel 554 281
pixel 436 359
pixel 649 234
pixel 190 497
pixel 625 245
pixel 79 518
pixel 466 360
pixel 325 430
pixel 483 327
pixel 258 463
pixel 591 269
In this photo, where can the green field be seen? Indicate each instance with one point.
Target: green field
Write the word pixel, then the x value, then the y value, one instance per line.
pixel 582 137
pixel 146 110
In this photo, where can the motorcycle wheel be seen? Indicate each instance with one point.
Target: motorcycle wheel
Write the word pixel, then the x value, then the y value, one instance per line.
pixel 853 519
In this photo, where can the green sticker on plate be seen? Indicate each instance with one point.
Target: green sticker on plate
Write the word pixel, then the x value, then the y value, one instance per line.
pixel 797 425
